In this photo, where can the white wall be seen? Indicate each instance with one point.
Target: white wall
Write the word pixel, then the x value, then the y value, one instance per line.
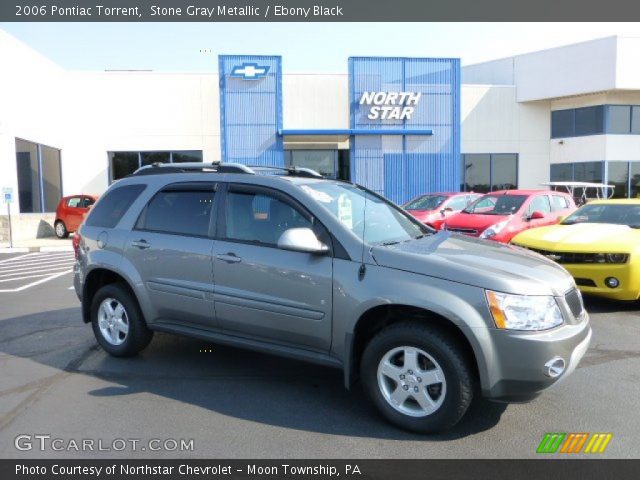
pixel 315 101
pixel 32 105
pixel 494 122
pixel 121 111
pixel 87 114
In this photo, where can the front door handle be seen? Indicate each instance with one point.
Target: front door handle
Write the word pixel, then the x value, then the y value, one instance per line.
pixel 141 244
pixel 229 258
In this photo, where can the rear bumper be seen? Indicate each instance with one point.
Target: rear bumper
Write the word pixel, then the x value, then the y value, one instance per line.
pixel 519 373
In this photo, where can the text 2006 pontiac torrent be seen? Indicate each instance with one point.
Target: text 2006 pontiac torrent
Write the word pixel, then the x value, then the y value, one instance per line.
pixel 326 271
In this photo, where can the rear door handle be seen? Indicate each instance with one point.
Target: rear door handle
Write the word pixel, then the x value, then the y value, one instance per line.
pixel 229 258
pixel 141 244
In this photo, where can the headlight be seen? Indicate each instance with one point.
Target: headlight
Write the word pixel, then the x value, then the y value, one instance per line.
pixel 524 312
pixel 494 229
pixel 616 257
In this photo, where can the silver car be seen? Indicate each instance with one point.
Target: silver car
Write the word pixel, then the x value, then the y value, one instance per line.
pixel 329 272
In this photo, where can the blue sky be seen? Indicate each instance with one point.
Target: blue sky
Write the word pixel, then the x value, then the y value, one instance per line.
pixel 305 47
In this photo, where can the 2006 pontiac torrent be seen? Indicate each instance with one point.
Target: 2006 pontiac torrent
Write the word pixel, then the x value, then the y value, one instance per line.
pixel 326 271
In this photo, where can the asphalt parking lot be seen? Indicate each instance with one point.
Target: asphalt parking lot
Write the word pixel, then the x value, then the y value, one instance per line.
pixel 54 380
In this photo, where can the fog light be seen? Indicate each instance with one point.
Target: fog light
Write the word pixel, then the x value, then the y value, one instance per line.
pixel 554 367
pixel 612 282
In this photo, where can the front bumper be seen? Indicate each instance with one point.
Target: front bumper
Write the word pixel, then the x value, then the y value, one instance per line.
pixel 590 280
pixel 518 372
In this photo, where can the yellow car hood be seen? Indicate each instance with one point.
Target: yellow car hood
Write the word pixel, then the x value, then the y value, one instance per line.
pixel 581 238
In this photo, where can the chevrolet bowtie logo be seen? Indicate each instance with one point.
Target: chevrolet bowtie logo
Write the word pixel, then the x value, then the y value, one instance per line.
pixel 250 71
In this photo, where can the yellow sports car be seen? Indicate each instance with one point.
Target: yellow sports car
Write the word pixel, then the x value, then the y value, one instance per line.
pixel 599 244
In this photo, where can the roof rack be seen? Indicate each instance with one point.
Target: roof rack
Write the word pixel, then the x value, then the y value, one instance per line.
pixel 162 168
pixel 293 171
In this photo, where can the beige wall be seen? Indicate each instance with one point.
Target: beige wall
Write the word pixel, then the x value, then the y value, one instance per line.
pixel 494 122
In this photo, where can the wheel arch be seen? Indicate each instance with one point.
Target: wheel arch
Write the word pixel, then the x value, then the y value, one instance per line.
pixel 378 317
pixel 96 279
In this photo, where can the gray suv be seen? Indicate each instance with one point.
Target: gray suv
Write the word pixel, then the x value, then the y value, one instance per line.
pixel 286 262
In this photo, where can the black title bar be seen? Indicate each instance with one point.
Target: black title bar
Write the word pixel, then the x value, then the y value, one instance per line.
pixel 317 10
pixel 583 469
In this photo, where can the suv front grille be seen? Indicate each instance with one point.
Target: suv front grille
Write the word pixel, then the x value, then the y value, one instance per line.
pixel 574 301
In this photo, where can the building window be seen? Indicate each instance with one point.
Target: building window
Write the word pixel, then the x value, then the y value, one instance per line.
pixel 624 176
pixel 39 177
pixel 634 179
pixel 122 164
pixel 324 162
pixel 619 119
pixel 589 120
pixel 562 124
pixel 618 175
pixel 484 172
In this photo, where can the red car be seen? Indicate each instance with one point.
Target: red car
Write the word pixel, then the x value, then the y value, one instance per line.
pixel 501 215
pixel 434 208
pixel 71 212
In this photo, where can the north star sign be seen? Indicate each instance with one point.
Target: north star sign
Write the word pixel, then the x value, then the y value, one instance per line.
pixel 390 105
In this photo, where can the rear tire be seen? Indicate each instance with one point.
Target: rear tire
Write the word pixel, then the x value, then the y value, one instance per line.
pixel 417 377
pixel 117 322
pixel 61 229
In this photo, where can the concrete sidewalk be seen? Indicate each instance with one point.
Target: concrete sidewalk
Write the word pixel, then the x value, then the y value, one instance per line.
pixel 48 244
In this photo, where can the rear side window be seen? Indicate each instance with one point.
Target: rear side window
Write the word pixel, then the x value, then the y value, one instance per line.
pixel 179 212
pixel 540 204
pixel 73 202
pixel 110 209
pixel 558 202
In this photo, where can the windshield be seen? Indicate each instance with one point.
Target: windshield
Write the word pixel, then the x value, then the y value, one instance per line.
pixel 426 202
pixel 496 205
pixel 380 223
pixel 598 213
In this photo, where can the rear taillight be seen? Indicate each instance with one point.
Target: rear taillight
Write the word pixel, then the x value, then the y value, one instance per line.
pixel 76 243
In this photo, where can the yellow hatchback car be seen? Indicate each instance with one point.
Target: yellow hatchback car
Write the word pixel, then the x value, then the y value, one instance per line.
pixel 599 244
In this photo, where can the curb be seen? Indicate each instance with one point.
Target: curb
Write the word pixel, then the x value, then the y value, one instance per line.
pixel 35 249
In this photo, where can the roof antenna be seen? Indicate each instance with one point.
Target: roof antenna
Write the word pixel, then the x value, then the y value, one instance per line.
pixel 363 269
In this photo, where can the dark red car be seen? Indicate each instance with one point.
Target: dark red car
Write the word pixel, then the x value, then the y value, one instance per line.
pixel 434 208
pixel 71 212
pixel 501 215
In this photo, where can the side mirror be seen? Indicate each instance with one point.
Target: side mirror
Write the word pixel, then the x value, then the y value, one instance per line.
pixel 446 210
pixel 537 215
pixel 302 240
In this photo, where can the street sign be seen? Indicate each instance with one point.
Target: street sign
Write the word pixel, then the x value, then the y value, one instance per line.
pixel 7 194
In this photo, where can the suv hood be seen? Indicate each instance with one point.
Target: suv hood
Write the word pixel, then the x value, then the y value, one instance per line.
pixel 485 264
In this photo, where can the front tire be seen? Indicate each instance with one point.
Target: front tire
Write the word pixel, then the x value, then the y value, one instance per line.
pixel 61 229
pixel 117 322
pixel 417 377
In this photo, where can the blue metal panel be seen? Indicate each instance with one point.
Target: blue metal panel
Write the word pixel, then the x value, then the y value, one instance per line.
pixel 413 163
pixel 354 131
pixel 251 109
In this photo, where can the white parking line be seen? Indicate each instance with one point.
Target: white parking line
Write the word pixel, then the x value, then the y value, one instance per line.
pixel 37 282
pixel 59 263
pixel 22 270
pixel 15 258
pixel 38 260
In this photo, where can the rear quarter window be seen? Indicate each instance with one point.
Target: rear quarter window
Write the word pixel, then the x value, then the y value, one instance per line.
pixel 110 209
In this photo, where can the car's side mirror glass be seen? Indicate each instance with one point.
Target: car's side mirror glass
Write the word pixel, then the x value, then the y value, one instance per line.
pixel 446 210
pixel 302 240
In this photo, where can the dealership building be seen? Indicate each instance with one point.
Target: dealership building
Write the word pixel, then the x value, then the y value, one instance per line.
pixel 400 126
